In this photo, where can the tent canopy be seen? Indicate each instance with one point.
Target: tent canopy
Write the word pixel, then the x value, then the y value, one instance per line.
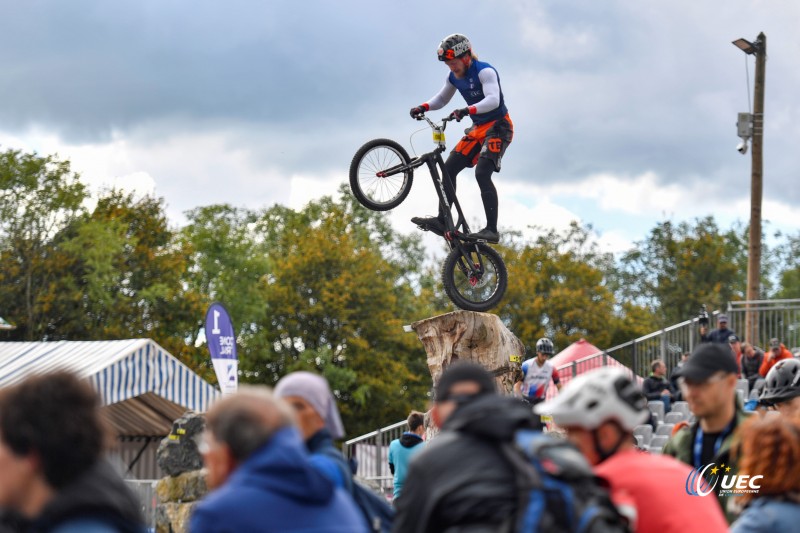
pixel 577 350
pixel 142 386
pixel 579 357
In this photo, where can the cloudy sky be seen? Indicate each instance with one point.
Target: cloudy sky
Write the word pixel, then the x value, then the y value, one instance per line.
pixel 624 110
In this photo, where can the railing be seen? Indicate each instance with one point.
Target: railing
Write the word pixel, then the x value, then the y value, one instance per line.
pixel 145 490
pixel 775 318
pixel 772 319
pixel 371 451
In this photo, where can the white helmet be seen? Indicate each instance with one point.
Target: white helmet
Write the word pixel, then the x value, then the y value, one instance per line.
pixel 598 396
pixel 545 346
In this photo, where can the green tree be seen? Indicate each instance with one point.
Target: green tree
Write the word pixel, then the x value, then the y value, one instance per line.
pixel 337 296
pixel 123 278
pixel 39 196
pixel 679 267
pixel 786 264
pixel 558 287
pixel 228 262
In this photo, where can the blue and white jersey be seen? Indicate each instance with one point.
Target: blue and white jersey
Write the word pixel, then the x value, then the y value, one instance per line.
pixel 480 88
pixel 537 378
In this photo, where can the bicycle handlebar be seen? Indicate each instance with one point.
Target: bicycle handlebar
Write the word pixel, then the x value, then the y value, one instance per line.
pixel 433 125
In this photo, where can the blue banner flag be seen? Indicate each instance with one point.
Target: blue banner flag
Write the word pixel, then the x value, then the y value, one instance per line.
pixel 221 339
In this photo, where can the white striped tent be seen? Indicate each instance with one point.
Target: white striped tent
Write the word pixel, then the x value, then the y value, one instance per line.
pixel 143 387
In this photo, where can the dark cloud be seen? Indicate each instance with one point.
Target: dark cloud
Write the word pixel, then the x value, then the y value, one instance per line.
pixel 617 87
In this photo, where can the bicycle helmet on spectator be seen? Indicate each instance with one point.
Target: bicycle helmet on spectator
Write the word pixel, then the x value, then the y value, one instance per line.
pixel 783 382
pixel 545 346
pixel 605 394
pixel 453 46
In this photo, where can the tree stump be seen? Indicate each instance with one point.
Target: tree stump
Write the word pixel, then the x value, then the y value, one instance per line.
pixel 469 336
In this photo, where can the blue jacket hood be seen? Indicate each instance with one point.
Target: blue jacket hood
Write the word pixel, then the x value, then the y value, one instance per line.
pixel 282 466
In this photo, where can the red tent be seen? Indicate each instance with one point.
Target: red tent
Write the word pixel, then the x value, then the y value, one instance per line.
pixel 580 352
pixel 573 352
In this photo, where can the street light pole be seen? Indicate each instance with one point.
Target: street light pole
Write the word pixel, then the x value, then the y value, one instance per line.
pixel 756 192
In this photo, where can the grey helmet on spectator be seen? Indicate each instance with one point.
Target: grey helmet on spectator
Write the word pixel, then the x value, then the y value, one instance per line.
pixel 545 346
pixel 783 382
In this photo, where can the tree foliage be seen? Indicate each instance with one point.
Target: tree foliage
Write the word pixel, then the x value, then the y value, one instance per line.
pixel 337 297
pixel 678 267
pixel 39 196
pixel 329 287
pixel 558 287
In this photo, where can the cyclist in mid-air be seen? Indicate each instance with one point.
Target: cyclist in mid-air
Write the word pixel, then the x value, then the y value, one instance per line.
pixel 485 142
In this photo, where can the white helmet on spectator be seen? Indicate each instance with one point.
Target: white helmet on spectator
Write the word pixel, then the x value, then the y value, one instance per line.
pixel 545 346
pixel 605 394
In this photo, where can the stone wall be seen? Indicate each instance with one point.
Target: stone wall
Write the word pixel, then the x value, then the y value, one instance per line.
pixel 185 484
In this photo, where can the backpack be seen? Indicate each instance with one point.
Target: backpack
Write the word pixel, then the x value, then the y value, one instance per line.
pixel 559 491
pixel 376 510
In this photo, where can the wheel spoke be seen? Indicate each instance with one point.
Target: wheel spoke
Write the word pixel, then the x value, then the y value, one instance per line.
pixel 480 289
pixel 380 189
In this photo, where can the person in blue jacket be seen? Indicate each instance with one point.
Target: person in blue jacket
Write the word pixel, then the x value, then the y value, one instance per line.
pixel 260 474
pixel 403 449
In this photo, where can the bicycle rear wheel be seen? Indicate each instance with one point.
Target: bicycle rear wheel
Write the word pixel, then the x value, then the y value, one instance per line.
pixel 476 281
pixel 370 186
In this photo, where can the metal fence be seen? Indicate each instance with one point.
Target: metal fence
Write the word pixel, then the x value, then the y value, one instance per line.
pixel 145 490
pixel 371 452
pixel 775 318
pixel 771 319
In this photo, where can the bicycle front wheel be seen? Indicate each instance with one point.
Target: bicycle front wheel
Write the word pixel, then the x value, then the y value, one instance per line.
pixel 374 179
pixel 477 280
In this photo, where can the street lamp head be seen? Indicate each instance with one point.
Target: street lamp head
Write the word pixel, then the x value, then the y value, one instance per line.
pixel 746 46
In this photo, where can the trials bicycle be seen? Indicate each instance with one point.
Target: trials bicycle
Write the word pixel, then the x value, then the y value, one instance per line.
pixel 381 173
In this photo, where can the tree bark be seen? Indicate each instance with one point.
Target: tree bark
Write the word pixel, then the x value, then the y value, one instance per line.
pixel 469 336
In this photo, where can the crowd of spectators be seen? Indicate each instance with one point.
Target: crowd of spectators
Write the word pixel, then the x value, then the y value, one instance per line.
pixel 272 463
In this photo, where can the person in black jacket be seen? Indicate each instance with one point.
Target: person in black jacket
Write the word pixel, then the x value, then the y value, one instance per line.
pixel 657 386
pixel 462 480
pixel 720 335
pixel 52 474
pixel 752 358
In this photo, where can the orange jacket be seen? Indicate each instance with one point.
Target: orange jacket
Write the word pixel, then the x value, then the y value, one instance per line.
pixel 770 360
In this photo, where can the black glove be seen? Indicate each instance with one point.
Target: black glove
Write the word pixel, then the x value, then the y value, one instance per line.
pixel 418 112
pixel 458 114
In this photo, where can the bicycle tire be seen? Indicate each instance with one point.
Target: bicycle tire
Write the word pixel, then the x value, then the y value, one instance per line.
pixel 471 294
pixel 374 192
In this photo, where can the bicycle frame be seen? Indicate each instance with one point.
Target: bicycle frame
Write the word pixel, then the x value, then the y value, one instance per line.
pixel 456 232
pixel 435 162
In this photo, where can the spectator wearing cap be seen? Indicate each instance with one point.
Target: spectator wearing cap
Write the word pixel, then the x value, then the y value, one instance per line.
pixel 708 383
pixel 462 480
pixel 719 335
pixel 319 421
pixel 777 352
pixel 736 349
pixel 752 358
